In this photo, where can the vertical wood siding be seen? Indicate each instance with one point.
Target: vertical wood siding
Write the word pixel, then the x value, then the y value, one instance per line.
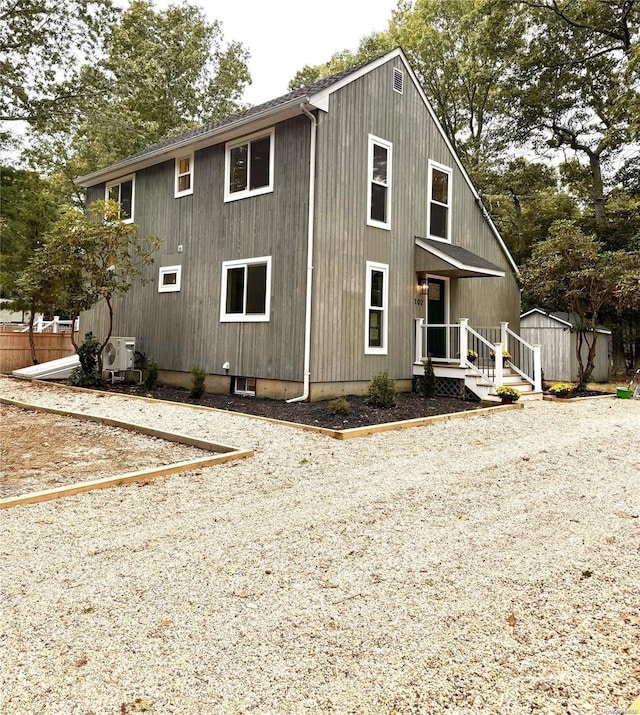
pixel 183 329
pixel 344 241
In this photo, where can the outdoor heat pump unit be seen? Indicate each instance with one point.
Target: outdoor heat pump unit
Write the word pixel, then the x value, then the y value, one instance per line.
pixel 120 354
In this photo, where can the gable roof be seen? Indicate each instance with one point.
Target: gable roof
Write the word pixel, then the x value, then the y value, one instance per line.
pixel 565 320
pixel 314 95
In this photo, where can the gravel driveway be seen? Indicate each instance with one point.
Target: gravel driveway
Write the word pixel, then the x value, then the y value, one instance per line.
pixel 485 565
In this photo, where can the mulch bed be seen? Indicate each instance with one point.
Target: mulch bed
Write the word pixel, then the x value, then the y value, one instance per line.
pixel 409 406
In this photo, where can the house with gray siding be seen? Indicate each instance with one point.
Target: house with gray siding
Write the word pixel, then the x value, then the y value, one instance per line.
pixel 313 241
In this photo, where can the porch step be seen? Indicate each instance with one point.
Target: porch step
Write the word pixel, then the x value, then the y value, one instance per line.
pixel 481 387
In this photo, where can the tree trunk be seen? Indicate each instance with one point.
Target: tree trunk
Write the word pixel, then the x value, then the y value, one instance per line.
pixel 32 342
pixel 597 187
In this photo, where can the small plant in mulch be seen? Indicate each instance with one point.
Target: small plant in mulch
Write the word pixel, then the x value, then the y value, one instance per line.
pixel 151 376
pixel 382 390
pixel 427 383
pixel 561 389
pixel 87 374
pixel 339 406
pixel 198 376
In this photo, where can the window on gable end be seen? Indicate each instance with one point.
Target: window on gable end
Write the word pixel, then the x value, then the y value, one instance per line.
pixel 123 191
pixel 184 176
pixel 376 309
pixel 439 211
pixel 249 166
pixel 379 183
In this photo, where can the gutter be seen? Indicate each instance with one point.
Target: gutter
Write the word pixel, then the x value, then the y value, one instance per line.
pixel 312 192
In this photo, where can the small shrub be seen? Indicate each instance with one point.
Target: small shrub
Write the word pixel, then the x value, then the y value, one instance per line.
pixel 427 383
pixel 87 375
pixel 382 390
pixel 198 376
pixel 339 406
pixel 151 378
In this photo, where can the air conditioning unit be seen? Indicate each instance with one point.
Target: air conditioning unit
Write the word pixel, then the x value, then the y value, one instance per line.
pixel 119 354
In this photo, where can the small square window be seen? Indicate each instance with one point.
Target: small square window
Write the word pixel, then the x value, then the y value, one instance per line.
pixel 244 386
pixel 169 279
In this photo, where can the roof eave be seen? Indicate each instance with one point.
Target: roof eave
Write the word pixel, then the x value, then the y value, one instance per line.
pixel 216 135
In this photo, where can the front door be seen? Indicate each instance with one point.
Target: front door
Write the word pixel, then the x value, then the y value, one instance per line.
pixel 436 316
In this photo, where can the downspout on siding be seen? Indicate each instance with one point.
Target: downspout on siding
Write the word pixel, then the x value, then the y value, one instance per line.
pixel 307 319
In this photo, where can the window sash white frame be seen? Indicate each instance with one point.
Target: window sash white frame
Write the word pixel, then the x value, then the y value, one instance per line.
pixel 247 392
pixel 235 195
pixel 244 317
pixel 383 310
pixel 445 170
pixel 173 287
pixel 177 193
pixel 373 141
pixel 118 182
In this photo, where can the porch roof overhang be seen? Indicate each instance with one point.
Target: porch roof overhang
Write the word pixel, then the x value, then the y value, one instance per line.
pixel 448 259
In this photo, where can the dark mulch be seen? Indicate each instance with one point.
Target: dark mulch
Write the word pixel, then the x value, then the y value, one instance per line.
pixel 409 406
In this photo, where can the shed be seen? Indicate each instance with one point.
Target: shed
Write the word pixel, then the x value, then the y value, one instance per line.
pixel 555 332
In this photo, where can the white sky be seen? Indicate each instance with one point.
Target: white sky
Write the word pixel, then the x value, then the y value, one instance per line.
pixel 284 35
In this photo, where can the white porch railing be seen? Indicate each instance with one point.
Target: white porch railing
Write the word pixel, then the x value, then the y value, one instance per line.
pixel 53 326
pixel 479 350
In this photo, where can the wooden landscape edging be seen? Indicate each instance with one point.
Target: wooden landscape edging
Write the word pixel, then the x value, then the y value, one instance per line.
pixel 223 453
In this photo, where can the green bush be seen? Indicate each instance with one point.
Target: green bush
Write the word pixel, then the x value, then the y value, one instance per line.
pixel 339 406
pixel 427 383
pixel 87 374
pixel 382 390
pixel 151 378
pixel 198 376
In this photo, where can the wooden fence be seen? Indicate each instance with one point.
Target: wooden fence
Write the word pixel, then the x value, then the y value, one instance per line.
pixel 15 351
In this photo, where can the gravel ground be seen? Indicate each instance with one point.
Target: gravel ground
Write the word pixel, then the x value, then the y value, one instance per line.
pixel 486 565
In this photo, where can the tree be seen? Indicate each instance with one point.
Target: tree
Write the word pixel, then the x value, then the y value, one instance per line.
pixel 26 211
pixel 41 42
pixel 570 270
pixel 161 72
pixel 86 259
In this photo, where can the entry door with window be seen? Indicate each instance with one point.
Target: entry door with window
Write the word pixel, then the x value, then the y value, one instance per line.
pixel 437 316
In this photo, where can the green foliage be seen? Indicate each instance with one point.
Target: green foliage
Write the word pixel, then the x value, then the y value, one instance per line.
pixel 382 390
pixel 427 382
pixel 198 377
pixel 151 376
pixel 161 72
pixel 339 406
pixel 88 373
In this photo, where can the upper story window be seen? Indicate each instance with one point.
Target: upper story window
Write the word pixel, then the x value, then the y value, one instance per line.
pixel 249 166
pixel 246 290
pixel 184 176
pixel 169 279
pixel 377 303
pixel 439 217
pixel 123 191
pixel 379 194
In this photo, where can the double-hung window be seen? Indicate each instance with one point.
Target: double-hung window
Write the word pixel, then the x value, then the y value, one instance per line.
pixel 377 309
pixel 184 176
pixel 246 290
pixel 123 191
pixel 439 201
pixel 249 166
pixel 379 183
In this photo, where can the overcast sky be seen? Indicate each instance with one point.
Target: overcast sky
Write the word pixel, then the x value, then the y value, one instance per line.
pixel 284 35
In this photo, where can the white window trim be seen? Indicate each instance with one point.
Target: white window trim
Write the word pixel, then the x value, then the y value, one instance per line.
pixel 117 182
pixel 246 393
pixel 389 147
pixel 174 288
pixel 384 268
pixel 236 195
pixel 243 317
pixel 447 170
pixel 177 193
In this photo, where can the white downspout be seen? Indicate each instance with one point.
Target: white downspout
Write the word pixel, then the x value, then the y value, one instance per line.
pixel 312 194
